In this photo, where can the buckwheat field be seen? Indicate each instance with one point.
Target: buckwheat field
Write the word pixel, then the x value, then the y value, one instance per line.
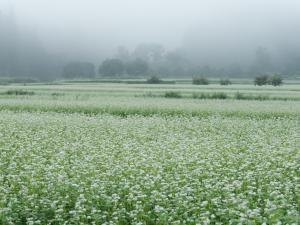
pixel 121 154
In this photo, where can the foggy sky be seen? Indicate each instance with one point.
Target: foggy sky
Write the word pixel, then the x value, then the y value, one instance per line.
pixel 223 31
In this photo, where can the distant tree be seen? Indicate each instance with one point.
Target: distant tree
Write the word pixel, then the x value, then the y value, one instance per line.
pixel 137 67
pixel 111 67
pixel 225 82
pixel 154 80
pixel 275 80
pixel 200 81
pixel 79 70
pixel 261 80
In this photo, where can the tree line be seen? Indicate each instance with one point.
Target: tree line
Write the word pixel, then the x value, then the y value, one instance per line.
pixel 23 55
pixel 108 68
pixel 154 60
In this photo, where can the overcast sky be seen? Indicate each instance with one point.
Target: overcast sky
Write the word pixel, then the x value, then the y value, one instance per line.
pixel 90 26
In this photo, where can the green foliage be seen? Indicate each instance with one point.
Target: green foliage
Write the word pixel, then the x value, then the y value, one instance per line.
pixel 137 67
pixel 216 95
pixel 275 80
pixel 225 82
pixel 19 92
pixel 154 80
pixel 79 70
pixel 111 67
pixel 200 81
pixel 173 94
pixel 261 80
pixel 241 96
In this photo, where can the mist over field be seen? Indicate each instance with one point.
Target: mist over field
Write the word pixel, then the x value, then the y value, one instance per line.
pixel 230 38
pixel 143 112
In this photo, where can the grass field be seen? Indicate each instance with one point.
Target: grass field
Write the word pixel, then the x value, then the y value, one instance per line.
pixel 102 153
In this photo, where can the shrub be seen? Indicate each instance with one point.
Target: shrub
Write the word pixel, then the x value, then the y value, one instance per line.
pixel 225 82
pixel 79 70
pixel 154 80
pixel 240 96
pixel 19 92
pixel 275 80
pixel 200 81
pixel 173 94
pixel 261 80
pixel 216 95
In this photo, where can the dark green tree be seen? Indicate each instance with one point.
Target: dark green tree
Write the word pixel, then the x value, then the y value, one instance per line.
pixel 200 81
pixel 111 67
pixel 275 80
pixel 137 67
pixel 261 80
pixel 154 80
pixel 79 70
pixel 225 82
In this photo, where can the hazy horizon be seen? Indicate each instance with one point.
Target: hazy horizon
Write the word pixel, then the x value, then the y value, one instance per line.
pixel 208 32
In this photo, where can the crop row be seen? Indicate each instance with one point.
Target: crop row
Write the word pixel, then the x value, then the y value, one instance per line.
pixel 125 106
